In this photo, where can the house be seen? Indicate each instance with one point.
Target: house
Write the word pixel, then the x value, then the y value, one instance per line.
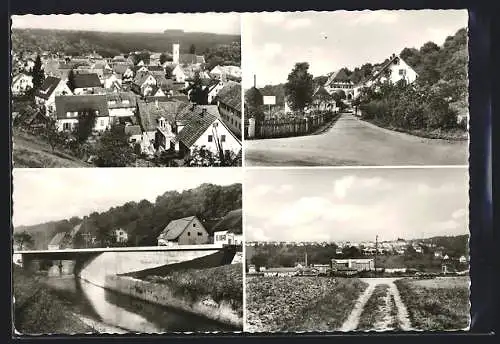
pixel 228 72
pixel 340 81
pixel 363 264
pixel 394 70
pixel 229 105
pixel 112 80
pixel 395 270
pixel 57 241
pixel 322 268
pixel 228 231
pixel 143 80
pixel 21 83
pixel 323 101
pixel 86 83
pixel 251 269
pixel 186 231
pixel 308 271
pixel 121 104
pixel 438 254
pixel 213 87
pixel 462 260
pixel 176 72
pixel 29 117
pixel 121 236
pixel 50 89
pixel 68 109
pixel 201 125
pixel 281 272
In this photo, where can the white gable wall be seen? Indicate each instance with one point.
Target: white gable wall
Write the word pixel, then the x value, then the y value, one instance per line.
pixel 231 142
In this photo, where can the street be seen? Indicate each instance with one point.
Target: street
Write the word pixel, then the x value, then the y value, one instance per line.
pixel 351 141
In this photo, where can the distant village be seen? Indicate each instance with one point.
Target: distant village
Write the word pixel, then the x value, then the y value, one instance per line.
pixel 354 258
pixel 165 102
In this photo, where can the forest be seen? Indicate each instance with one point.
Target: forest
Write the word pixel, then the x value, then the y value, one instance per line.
pixel 224 48
pixel 144 220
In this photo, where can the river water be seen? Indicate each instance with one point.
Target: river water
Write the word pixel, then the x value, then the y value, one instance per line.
pixel 125 312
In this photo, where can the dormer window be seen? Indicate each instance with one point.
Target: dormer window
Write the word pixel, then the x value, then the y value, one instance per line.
pixel 112 102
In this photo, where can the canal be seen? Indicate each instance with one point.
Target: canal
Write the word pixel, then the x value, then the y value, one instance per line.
pixel 125 312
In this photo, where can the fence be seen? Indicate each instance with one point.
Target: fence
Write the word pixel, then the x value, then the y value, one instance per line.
pixel 286 127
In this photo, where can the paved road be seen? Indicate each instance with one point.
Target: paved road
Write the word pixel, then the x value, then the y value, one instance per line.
pixel 352 141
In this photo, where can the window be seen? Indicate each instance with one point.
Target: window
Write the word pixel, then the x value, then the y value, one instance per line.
pixel 200 234
pixel 194 224
pixel 102 123
pixel 210 138
pixel 66 126
pixel 189 233
pixel 402 72
pixel 112 102
pixel 223 138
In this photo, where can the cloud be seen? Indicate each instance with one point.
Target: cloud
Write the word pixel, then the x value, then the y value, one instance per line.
pixel 284 188
pixel 263 189
pixel 341 186
pixel 270 50
pixel 255 234
pixel 445 188
pixel 298 23
pixel 272 17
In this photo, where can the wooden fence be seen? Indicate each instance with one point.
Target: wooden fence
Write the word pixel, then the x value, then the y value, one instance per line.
pixel 286 127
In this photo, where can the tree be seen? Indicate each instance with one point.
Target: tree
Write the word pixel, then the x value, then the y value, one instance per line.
pixel 192 49
pixel 259 260
pixel 299 88
pixel 254 102
pixel 86 123
pixel 71 80
pixel 163 58
pixel 52 134
pixel 23 239
pixel 113 148
pixel 198 95
pixel 37 73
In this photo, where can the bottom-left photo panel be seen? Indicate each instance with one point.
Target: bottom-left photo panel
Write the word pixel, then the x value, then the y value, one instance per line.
pixel 140 250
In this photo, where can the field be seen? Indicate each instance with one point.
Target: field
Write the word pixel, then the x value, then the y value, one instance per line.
pixel 39 311
pixel 221 283
pixel 301 303
pixel 30 151
pixel 437 304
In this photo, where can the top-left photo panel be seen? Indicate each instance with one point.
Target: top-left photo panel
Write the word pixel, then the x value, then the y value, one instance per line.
pixel 126 90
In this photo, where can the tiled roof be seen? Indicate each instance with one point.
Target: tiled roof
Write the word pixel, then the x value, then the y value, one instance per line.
pixel 49 85
pixel 133 130
pixel 230 94
pixel 119 98
pixel 197 121
pixel 232 222
pixel 282 270
pixel 120 68
pixel 153 68
pixel 187 59
pixel 175 228
pixel 80 103
pixel 150 111
pixel 82 80
pixel 141 77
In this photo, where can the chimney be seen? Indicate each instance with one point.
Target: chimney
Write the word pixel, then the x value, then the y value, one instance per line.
pixel 203 112
pixel 156 104
pixel 255 81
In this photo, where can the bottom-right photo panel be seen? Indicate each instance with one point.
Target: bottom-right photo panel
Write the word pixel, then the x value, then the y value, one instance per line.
pixel 361 249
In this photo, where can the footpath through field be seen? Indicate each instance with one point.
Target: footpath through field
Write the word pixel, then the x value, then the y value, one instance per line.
pixel 351 141
pixel 386 311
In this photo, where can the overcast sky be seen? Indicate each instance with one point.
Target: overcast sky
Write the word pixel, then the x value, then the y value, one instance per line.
pixel 354 204
pixel 42 195
pixel 273 42
pixel 225 23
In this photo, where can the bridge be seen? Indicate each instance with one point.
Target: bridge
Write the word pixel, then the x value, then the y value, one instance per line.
pixel 94 264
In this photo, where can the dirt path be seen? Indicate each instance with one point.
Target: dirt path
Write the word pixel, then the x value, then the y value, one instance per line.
pixel 392 313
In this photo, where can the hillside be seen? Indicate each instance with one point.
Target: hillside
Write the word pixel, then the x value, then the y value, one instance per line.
pixel 109 44
pixel 145 220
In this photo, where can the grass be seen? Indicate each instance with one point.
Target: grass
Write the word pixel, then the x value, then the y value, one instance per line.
pixel 371 314
pixel 440 304
pixel 39 311
pixel 222 283
pixel 31 151
pixel 300 303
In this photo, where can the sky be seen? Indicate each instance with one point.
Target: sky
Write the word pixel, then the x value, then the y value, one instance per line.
pixel 272 42
pixel 42 195
pixel 224 23
pixel 354 204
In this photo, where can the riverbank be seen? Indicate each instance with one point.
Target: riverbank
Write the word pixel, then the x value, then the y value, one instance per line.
pixel 37 310
pixel 215 293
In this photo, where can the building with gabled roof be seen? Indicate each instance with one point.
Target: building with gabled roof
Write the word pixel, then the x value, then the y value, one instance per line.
pixel 229 103
pixel 68 109
pixel 21 83
pixel 51 88
pixel 86 83
pixel 185 231
pixel 228 231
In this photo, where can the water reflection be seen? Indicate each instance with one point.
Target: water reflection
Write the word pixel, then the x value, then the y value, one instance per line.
pixel 126 312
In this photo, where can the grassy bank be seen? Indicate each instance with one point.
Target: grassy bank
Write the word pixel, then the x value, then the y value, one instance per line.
pixel 450 135
pixel 300 304
pixel 223 283
pixel 39 311
pixel 371 312
pixel 436 304
pixel 31 151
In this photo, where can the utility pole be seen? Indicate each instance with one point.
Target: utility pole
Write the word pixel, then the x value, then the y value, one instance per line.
pixel 376 253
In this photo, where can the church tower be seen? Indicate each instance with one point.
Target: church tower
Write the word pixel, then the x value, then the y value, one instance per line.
pixel 175 52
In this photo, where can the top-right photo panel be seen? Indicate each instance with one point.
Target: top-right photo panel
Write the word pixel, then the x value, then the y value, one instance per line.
pixel 356 88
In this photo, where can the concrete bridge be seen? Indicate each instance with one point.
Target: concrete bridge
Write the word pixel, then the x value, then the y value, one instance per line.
pixel 94 264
